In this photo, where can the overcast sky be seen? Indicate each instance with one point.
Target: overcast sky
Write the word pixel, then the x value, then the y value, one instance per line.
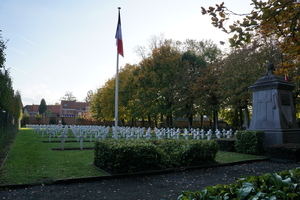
pixel 57 46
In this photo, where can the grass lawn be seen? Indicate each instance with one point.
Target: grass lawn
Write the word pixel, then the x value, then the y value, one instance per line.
pixel 31 160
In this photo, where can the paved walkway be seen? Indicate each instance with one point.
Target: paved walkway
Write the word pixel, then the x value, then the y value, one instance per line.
pixel 148 187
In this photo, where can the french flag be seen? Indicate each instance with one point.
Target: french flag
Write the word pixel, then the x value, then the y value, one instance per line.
pixel 118 37
pixel 286 78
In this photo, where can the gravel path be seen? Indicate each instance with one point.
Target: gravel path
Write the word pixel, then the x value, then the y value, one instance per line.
pixel 148 187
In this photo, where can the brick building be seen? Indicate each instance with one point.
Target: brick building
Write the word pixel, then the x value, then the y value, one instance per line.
pixel 69 111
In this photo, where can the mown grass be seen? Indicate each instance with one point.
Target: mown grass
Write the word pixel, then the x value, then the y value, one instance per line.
pixel 229 157
pixel 31 160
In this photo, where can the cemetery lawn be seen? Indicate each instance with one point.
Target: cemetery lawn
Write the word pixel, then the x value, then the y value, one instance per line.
pixel 32 160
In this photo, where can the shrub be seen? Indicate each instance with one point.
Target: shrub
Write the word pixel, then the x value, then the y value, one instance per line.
pixel 250 142
pixel 284 185
pixel 226 144
pixel 183 153
pixel 199 152
pixel 289 151
pixel 123 156
pixel 52 120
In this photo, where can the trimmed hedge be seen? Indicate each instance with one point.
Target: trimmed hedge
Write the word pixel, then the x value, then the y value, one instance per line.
pixel 250 142
pixel 126 156
pixel 289 151
pixel 226 144
pixel 284 185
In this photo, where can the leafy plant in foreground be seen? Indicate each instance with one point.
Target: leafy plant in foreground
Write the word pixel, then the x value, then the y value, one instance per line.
pixel 284 186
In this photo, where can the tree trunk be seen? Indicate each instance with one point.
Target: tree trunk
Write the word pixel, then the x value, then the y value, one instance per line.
pixel 143 122
pixel 161 120
pixel 246 118
pixel 168 121
pixel 149 121
pixel 241 118
pixel 201 120
pixel 216 116
pixel 171 120
pixel 190 121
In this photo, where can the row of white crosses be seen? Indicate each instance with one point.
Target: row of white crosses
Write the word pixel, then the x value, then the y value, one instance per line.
pixel 101 132
pixel 50 130
pixel 81 132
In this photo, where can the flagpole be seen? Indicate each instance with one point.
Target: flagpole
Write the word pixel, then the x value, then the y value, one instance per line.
pixel 117 81
pixel 116 98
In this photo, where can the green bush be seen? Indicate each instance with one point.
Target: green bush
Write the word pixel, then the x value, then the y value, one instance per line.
pixel 199 152
pixel 183 153
pixel 226 144
pixel 284 185
pixel 250 142
pixel 289 151
pixel 123 156
pixel 52 120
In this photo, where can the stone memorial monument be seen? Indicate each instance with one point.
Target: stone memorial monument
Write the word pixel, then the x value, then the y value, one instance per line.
pixel 273 109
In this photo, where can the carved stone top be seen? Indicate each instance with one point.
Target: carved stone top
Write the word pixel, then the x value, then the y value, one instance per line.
pixel 269 69
pixel 271 81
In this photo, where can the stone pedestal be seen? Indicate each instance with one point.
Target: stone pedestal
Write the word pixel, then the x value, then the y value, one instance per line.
pixel 273 110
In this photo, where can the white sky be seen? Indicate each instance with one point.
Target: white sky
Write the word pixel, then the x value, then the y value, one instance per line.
pixel 57 46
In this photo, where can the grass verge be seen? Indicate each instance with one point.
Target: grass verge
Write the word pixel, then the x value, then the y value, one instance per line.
pixel 31 160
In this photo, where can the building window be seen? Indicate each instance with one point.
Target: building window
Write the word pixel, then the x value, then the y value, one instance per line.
pixel 65 105
pixel 65 112
pixel 70 112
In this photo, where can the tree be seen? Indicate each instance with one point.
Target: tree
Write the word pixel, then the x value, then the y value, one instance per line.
pixel 2 54
pixel 42 107
pixel 276 19
pixel 208 90
pixel 89 96
pixel 197 55
pixel 240 69
pixel 164 65
pixel 68 97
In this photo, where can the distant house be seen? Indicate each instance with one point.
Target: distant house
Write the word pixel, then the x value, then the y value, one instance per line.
pixel 32 110
pixel 55 110
pixel 74 109
pixel 69 111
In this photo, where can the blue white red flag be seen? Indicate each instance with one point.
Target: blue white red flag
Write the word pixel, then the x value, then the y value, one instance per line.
pixel 118 37
pixel 286 77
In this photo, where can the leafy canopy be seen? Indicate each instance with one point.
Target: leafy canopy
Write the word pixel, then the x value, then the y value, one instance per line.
pixel 276 19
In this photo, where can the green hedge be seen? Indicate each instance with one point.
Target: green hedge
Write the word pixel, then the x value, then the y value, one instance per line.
pixel 125 156
pixel 284 185
pixel 226 144
pixel 250 142
pixel 289 151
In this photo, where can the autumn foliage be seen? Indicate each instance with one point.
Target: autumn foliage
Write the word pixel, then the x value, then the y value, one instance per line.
pixel 275 19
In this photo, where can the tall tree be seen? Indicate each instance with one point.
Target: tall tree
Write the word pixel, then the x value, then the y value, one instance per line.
pixel 240 69
pixel 278 19
pixel 42 107
pixel 2 53
pixel 196 57
pixel 164 66
pixel 89 96
pixel 69 97
pixel 208 90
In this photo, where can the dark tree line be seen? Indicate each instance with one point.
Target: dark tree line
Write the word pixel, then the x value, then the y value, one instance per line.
pixel 10 102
